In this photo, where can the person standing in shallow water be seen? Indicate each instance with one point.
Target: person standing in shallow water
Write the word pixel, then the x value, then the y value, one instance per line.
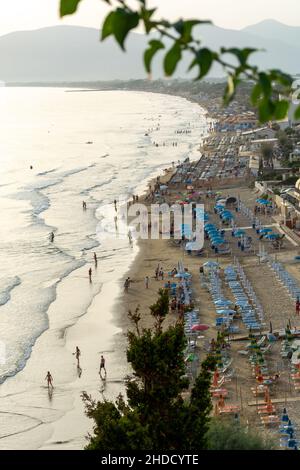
pixel 49 379
pixel 51 236
pixel 90 274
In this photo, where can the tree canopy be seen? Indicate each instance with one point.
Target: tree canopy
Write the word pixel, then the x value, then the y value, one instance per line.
pixel 155 415
pixel 271 89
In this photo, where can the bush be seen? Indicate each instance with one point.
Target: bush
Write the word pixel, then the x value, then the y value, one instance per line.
pixel 230 435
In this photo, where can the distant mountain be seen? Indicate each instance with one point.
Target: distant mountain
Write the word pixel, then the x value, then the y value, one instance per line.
pixel 274 30
pixel 73 53
pixel 275 53
pixel 67 53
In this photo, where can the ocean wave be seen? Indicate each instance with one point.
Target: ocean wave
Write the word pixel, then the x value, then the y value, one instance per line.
pixel 43 173
pixel 6 286
pixel 49 296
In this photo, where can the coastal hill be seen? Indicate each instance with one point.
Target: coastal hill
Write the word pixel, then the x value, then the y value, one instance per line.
pixel 274 30
pixel 73 53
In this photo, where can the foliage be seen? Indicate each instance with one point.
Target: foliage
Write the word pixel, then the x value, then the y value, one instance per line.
pixel 231 435
pixel 155 416
pixel 271 89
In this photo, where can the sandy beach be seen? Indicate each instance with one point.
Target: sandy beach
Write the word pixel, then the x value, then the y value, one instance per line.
pixel 278 306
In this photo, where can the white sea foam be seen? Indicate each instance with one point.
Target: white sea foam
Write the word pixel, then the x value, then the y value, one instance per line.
pixel 65 172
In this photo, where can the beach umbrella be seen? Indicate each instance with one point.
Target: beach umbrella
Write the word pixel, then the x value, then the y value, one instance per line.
pixel 223 302
pixel 265 230
pixel 239 233
pixel 217 242
pixel 272 236
pixel 227 311
pixel 211 264
pixel 201 327
pixel 192 246
pixel 190 358
pixel 183 275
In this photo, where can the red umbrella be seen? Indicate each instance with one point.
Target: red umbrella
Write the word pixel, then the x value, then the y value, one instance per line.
pixel 200 327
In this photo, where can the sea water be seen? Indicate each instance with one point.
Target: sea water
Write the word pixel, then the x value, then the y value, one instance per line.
pixel 49 129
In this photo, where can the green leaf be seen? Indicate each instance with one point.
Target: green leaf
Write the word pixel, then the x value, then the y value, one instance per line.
pixel 230 89
pixel 266 110
pixel 241 54
pixel 146 16
pixel 107 28
pixel 256 94
pixel 297 113
pixel 123 21
pixel 184 28
pixel 265 84
pixel 172 58
pixel 119 23
pixel 281 77
pixel 204 59
pixel 67 7
pixel 281 109
pixel 154 47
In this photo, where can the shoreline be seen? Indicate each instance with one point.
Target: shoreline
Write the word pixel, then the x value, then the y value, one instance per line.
pixel 57 422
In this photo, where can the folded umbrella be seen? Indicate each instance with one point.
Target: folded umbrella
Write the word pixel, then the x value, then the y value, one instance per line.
pixel 200 327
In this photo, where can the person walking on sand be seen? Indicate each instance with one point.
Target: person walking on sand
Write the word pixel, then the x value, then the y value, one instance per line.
pixel 115 204
pixel 297 306
pixel 84 205
pixel 102 365
pixel 95 259
pixel 49 379
pixel 51 236
pixel 147 280
pixel 130 237
pixel 126 284
pixel 77 355
pixel 90 274
pixel 157 273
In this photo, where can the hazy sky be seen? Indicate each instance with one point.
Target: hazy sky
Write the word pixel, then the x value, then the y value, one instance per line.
pixel 33 14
